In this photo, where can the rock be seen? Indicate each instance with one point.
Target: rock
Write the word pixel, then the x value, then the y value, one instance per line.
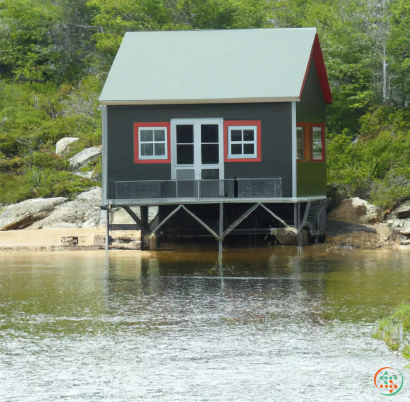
pixel 400 227
pixel 23 214
pixel 83 212
pixel 85 156
pixel 132 245
pixel 85 175
pixel 402 212
pixel 356 210
pixel 120 216
pixel 62 146
pixel 285 235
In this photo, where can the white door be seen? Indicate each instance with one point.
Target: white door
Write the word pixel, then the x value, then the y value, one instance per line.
pixel 197 149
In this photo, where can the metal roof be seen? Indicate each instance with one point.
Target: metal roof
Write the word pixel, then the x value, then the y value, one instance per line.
pixel 249 65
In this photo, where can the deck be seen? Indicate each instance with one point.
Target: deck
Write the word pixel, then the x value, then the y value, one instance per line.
pixel 179 192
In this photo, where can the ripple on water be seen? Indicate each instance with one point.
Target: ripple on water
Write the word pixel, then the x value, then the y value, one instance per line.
pixel 280 326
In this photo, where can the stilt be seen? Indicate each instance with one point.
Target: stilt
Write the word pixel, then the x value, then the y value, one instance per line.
pixel 221 228
pixel 298 225
pixel 144 215
pixel 107 232
pixel 145 238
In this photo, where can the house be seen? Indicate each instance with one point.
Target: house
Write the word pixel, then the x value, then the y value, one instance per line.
pixel 214 126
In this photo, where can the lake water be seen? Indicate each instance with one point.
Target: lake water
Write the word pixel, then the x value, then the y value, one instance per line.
pixel 272 324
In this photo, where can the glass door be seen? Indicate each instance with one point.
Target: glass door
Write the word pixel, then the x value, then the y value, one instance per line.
pixel 197 154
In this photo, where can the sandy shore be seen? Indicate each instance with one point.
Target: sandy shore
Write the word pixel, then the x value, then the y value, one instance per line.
pixel 338 234
pixel 50 239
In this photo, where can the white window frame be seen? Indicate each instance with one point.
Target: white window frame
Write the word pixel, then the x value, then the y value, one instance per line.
pixel 197 166
pixel 254 142
pixel 165 142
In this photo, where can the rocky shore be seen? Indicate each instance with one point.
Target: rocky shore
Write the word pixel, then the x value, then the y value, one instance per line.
pixel 354 223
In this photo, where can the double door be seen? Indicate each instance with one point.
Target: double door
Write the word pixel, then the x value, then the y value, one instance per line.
pixel 197 154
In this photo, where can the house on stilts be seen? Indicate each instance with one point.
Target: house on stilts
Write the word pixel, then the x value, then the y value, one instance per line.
pixel 223 131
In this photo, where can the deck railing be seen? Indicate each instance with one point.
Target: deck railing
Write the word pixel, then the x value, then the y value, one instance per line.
pixel 199 189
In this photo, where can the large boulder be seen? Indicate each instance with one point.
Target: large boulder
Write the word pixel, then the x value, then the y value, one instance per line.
pixel 85 156
pixel 286 235
pixel 83 212
pixel 63 146
pixel 356 210
pixel 401 212
pixel 400 228
pixel 23 214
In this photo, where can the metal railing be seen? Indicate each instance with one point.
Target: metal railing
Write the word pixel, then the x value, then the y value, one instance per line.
pixel 199 189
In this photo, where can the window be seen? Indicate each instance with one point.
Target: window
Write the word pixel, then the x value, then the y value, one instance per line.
pixel 185 144
pixel 310 142
pixel 209 144
pixel 318 142
pixel 242 141
pixel 151 143
pixel 300 141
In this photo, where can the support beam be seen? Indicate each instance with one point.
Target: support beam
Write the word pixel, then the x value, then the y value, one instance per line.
pixel 305 216
pixel 239 220
pixel 274 215
pixel 202 223
pixel 165 220
pixel 135 218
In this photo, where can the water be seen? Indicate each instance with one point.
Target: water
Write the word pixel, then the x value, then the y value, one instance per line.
pixel 268 325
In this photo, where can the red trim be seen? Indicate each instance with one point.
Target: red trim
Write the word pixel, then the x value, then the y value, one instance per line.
pixel 257 123
pixel 166 125
pixel 321 70
pixel 322 126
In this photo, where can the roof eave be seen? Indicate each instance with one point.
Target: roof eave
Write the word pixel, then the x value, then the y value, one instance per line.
pixel 198 101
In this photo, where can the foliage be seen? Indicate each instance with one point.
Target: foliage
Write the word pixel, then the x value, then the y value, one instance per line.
pixel 56 54
pixel 376 165
pixel 395 330
pixel 38 182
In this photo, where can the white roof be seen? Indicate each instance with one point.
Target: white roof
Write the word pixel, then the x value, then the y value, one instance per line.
pixel 246 65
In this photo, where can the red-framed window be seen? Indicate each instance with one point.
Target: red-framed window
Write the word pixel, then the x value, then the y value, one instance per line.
pixel 318 142
pixel 152 142
pixel 310 142
pixel 301 131
pixel 242 141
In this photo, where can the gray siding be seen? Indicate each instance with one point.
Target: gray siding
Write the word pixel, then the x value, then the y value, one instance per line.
pixel 276 140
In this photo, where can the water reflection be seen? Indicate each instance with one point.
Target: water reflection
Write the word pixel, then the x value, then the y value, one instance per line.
pixel 196 325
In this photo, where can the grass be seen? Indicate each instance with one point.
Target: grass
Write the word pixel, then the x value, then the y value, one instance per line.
pixel 395 330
